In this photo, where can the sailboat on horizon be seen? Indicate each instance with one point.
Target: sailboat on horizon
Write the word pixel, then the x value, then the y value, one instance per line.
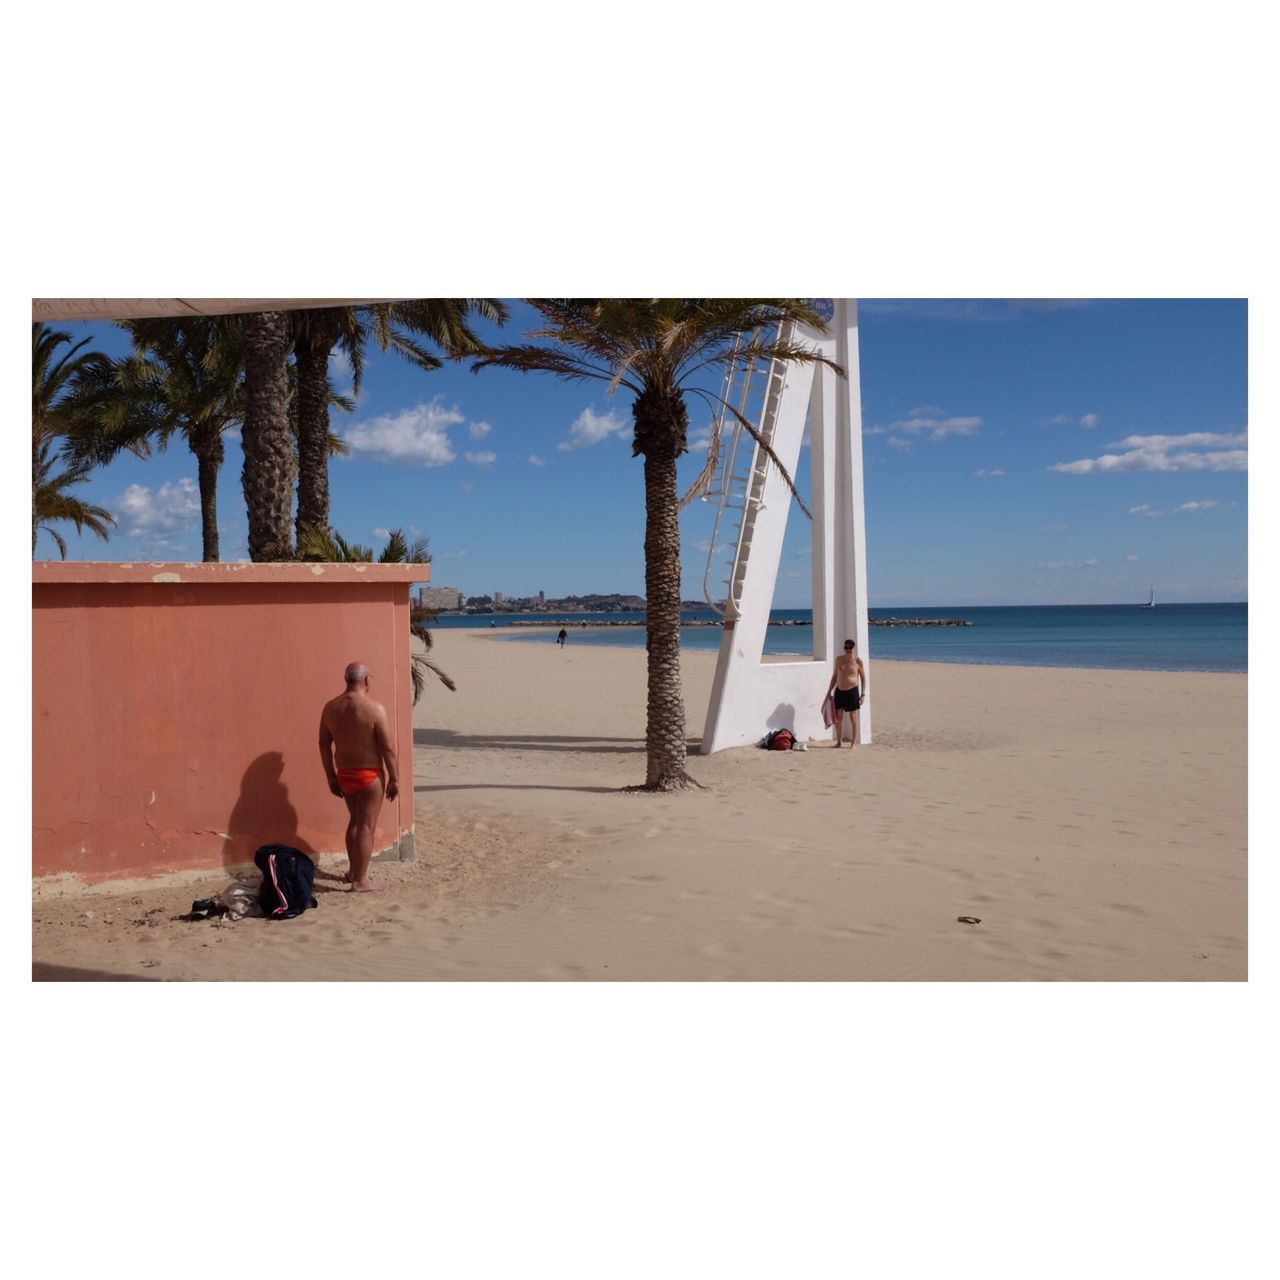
pixel 1151 604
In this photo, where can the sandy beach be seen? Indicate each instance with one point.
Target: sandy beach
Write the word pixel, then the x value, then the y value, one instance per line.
pixel 1093 821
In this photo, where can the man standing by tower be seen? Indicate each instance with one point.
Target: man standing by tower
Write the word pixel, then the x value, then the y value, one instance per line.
pixel 356 747
pixel 849 684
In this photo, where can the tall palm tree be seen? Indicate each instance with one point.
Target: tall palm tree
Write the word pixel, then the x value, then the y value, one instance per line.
pixel 268 447
pixel 656 347
pixel 394 326
pixel 325 544
pixel 185 377
pixel 66 397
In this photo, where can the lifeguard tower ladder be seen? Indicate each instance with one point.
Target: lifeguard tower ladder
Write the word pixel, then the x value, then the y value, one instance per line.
pixel 749 695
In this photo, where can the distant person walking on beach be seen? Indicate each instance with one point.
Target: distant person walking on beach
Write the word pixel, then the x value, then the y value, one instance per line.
pixel 562 637
pixel 849 684
pixel 356 746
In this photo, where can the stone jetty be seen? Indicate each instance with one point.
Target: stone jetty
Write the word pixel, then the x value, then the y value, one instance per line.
pixel 605 621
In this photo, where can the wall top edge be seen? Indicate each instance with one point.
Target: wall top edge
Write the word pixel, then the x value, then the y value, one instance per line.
pixel 57 572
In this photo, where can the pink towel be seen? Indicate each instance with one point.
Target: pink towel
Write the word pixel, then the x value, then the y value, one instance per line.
pixel 829 712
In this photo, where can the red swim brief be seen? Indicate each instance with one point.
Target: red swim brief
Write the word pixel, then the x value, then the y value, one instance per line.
pixel 352 781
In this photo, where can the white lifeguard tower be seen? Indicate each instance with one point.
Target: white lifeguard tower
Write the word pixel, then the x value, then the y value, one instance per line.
pixel 749 695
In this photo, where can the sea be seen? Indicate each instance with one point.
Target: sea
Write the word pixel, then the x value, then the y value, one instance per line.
pixel 1169 637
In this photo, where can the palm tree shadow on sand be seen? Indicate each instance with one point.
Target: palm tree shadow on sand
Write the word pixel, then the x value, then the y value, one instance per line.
pixel 588 744
pixel 264 814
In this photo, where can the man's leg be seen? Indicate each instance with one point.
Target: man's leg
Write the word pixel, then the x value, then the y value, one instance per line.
pixel 855 740
pixel 839 728
pixel 363 807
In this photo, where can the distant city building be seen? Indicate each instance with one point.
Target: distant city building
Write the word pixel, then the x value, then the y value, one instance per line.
pixel 439 598
pixel 497 597
pixel 542 597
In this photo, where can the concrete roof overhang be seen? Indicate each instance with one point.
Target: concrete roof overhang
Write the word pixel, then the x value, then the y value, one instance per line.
pixel 53 309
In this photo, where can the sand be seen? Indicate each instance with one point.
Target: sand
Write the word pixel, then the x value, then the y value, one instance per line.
pixel 1093 821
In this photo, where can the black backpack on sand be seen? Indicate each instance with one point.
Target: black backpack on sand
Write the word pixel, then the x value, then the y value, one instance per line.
pixel 288 881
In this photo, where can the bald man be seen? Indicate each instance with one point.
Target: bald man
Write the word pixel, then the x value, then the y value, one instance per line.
pixel 356 747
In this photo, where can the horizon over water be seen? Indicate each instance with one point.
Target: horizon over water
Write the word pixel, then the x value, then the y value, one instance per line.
pixel 1170 637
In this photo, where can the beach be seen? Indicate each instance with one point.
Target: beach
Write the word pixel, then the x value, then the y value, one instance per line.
pixel 1092 821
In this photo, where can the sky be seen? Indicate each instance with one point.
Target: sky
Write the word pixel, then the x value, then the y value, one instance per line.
pixel 1015 452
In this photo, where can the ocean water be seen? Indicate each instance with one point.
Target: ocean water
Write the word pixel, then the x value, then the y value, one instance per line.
pixel 1170 637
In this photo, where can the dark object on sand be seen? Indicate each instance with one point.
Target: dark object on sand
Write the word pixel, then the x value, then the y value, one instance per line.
pixel 288 881
pixel 204 909
pixel 968 920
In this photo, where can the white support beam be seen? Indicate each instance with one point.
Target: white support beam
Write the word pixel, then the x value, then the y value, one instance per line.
pixel 750 696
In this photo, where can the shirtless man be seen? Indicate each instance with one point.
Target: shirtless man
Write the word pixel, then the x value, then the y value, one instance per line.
pixel 849 683
pixel 355 744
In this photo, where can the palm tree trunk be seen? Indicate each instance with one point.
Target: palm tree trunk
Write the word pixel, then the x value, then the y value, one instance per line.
pixel 664 732
pixel 268 449
pixel 311 355
pixel 209 456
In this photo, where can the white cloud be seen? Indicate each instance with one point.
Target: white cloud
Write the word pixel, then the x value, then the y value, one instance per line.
pixel 384 534
pixel 1198 506
pixel 485 458
pixel 590 428
pixel 479 430
pixel 700 439
pixel 1145 509
pixel 414 437
pixel 1225 452
pixel 983 472
pixel 1056 565
pixel 1088 420
pixel 535 461
pixel 172 509
pixel 934 428
pixel 1131 559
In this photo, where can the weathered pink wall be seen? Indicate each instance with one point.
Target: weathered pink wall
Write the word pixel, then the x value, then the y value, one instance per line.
pixel 176 709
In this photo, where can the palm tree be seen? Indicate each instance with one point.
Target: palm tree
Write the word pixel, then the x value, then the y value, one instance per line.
pixel 185 376
pixel 66 393
pixel 50 501
pixel 393 325
pixel 325 544
pixel 655 347
pixel 268 448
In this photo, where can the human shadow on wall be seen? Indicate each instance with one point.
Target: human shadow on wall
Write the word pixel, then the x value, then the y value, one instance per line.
pixel 783 716
pixel 262 815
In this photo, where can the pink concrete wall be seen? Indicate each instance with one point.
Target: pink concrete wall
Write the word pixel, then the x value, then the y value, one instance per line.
pixel 176 709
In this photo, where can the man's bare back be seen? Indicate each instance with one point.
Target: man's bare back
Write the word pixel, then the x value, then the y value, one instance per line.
pixel 354 720
pixel 356 749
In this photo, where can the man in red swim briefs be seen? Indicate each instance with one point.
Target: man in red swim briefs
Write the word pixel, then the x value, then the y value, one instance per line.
pixel 356 747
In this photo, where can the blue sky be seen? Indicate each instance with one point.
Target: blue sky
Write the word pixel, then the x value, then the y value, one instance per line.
pixel 1015 452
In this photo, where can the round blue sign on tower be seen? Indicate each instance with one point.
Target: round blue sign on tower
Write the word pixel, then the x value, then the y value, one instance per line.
pixel 825 307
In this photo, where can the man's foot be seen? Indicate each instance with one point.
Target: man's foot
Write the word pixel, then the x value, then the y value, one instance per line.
pixel 365 886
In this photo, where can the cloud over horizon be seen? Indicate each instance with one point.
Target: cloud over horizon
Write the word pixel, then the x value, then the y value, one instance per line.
pixel 156 518
pixel 590 427
pixel 1220 452
pixel 414 437
pixel 1055 565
